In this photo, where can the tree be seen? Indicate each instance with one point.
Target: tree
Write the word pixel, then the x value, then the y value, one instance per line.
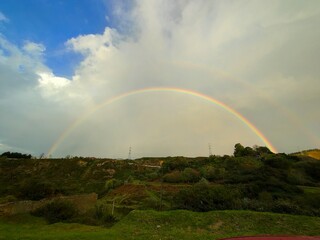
pixel 16 155
pixel 238 150
pixel 261 150
pixel 241 151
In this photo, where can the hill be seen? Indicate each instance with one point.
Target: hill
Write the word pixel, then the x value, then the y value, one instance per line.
pixel 314 153
pixel 253 179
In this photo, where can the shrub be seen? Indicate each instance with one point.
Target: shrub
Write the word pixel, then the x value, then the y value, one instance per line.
pixel 111 184
pixel 190 175
pixel 285 206
pixel 313 170
pixel 209 172
pixel 57 211
pixel 102 215
pixel 309 200
pixel 219 173
pixel 174 164
pixel 296 177
pixel 35 190
pixel 8 198
pixel 279 161
pixel 203 197
pixel 265 197
pixel 152 176
pixel 173 177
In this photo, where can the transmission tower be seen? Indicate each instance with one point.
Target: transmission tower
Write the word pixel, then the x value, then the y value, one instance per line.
pixel 129 154
pixel 210 150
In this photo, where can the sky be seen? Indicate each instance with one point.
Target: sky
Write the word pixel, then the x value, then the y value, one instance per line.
pixel 164 78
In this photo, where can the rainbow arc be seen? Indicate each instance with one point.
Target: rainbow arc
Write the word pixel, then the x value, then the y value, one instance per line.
pixel 202 96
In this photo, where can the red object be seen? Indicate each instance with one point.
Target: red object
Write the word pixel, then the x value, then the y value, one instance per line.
pixel 274 238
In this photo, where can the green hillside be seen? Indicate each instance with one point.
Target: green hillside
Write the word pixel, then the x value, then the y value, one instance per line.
pixel 252 179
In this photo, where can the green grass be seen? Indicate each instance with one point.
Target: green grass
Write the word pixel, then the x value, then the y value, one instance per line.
pixel 164 225
pixel 29 227
pixel 308 189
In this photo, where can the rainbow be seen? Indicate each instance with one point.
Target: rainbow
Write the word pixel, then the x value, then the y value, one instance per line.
pixel 83 117
pixel 226 76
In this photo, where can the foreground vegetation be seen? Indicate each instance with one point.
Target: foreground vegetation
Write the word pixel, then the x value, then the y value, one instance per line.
pixel 177 224
pixel 147 198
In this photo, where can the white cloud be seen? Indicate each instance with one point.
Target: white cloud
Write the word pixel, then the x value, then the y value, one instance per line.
pixel 34 104
pixel 50 84
pixel 258 57
pixel 34 49
pixel 3 18
pixel 225 49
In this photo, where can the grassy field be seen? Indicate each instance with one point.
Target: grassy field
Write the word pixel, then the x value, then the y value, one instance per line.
pixel 164 225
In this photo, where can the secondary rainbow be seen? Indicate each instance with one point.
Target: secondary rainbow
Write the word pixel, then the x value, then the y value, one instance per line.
pixel 83 117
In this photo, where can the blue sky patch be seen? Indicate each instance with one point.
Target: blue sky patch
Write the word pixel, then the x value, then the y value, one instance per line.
pixel 52 23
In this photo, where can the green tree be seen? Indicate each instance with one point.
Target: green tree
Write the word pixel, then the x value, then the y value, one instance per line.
pixel 261 150
pixel 238 150
pixel 16 155
pixel 241 151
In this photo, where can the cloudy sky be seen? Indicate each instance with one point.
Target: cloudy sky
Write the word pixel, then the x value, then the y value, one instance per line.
pixel 64 64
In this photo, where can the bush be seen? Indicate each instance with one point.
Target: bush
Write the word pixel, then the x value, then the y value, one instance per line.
pixel 190 175
pixel 57 211
pixel 110 184
pixel 8 198
pixel 285 206
pixel 309 200
pixel 279 161
pixel 102 215
pixel 265 197
pixel 208 172
pixel 174 164
pixel 313 170
pixel 202 197
pixel 34 190
pixel 173 177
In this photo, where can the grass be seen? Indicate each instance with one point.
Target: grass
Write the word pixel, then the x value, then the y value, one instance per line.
pixel 308 189
pixel 178 224
pixel 315 153
pixel 28 227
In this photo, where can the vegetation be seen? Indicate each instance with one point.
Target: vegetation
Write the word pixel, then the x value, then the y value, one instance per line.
pixel 314 153
pixel 253 179
pixel 15 155
pixel 56 211
pixel 164 225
